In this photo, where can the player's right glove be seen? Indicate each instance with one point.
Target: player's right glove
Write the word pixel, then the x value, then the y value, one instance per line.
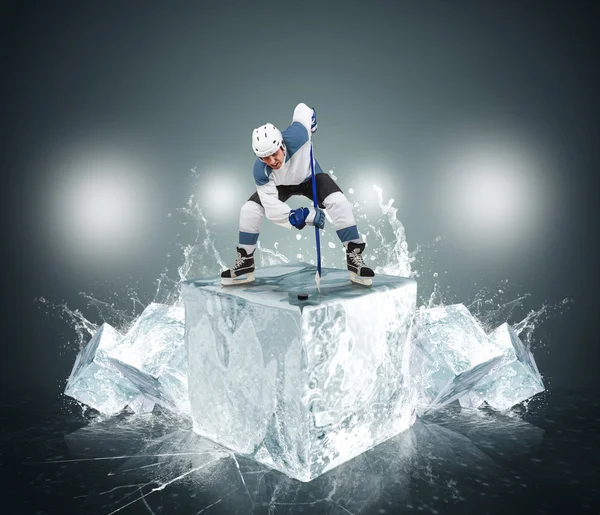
pixel 298 217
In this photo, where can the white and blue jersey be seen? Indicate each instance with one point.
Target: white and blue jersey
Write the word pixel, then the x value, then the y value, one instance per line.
pixel 295 170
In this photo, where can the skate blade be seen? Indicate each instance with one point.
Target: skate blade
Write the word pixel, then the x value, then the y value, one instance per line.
pixel 242 279
pixel 363 281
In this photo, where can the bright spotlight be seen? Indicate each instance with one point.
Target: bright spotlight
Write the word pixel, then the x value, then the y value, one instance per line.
pixel 365 181
pixel 99 208
pixel 220 194
pixel 493 194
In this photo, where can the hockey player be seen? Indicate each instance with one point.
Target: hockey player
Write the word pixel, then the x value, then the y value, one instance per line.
pixel 283 169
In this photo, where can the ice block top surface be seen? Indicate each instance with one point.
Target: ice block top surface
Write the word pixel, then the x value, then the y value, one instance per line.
pixel 280 285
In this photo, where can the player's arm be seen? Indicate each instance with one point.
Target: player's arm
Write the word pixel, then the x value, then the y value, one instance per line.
pixel 275 210
pixel 279 212
pixel 306 116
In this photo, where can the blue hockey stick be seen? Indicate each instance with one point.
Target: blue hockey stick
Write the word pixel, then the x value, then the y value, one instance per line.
pixel 316 206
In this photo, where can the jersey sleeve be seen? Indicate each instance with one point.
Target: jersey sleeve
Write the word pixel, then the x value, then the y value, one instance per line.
pixel 275 210
pixel 261 173
pixel 303 114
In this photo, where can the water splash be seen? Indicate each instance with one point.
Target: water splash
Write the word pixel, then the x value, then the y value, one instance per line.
pixel 201 258
pixel 393 257
pixel 388 253
pixel 271 257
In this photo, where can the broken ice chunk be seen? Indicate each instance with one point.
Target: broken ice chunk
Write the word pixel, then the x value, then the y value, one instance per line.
pixel 142 404
pixel 300 386
pixel 152 356
pixel 150 342
pixel 95 381
pixel 471 400
pixel 148 365
pixel 450 354
pixel 463 383
pixel 516 377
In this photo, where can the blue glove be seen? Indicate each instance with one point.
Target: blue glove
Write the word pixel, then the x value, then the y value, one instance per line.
pixel 298 217
pixel 319 219
pixel 313 121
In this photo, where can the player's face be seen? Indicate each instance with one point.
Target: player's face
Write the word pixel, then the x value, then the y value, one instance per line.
pixel 274 160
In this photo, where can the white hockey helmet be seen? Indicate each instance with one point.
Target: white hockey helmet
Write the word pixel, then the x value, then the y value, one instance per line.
pixel 266 140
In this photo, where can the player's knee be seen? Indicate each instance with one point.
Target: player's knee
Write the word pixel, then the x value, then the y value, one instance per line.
pixel 337 200
pixel 251 210
pixel 326 187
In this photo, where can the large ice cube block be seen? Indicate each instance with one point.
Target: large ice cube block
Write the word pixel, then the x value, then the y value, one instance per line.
pixel 451 353
pixel 95 381
pixel 515 378
pixel 301 386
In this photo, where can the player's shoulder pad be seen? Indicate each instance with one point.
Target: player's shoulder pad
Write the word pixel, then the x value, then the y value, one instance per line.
pixel 295 136
pixel 261 173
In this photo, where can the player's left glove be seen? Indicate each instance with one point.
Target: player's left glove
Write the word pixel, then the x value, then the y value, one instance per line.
pixel 318 218
pixel 313 121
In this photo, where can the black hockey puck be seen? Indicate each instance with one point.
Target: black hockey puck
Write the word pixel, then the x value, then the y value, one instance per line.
pixel 302 296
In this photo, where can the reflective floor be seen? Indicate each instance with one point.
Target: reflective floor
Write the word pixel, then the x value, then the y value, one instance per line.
pixel 543 458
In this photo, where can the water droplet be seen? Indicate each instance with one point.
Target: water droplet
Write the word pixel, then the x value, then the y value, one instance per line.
pixel 435 274
pixel 331 245
pixel 351 191
pixel 298 236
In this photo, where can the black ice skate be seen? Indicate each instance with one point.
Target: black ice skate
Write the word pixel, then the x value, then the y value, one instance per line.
pixel 242 271
pixel 359 272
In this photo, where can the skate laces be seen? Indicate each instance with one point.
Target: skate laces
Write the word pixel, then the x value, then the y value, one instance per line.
pixel 357 259
pixel 239 261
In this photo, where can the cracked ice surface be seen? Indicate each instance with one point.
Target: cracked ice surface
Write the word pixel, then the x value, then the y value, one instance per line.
pixel 163 465
pixel 300 386
pixel 148 365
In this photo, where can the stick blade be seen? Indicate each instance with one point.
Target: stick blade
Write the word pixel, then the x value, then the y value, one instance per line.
pixel 318 281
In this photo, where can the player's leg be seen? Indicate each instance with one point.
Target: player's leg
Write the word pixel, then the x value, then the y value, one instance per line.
pixel 339 208
pixel 251 216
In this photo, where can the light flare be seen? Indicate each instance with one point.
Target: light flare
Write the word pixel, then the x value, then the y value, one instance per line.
pixel 100 207
pixel 493 194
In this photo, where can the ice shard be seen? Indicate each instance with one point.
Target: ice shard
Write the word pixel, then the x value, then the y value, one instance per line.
pixel 152 356
pixel 515 378
pixel 300 386
pixel 96 382
pixel 450 355
pixel 471 400
pixel 146 366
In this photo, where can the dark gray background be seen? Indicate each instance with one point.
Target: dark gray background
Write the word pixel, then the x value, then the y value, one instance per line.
pixel 395 85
